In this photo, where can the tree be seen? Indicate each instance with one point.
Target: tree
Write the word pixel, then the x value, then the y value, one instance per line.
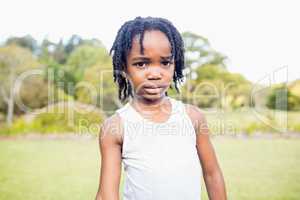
pixel 59 53
pixel 81 58
pixel 214 86
pixel 26 42
pixel 198 52
pixel 97 86
pixel 73 43
pixel 294 87
pixel 281 98
pixel 36 92
pixel 13 61
pixel 85 56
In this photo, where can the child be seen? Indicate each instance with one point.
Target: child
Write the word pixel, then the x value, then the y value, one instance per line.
pixel 163 143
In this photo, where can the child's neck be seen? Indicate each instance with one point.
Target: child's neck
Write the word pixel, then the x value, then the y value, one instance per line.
pixel 146 105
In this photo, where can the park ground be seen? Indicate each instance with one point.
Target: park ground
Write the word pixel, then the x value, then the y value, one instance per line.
pixel 58 169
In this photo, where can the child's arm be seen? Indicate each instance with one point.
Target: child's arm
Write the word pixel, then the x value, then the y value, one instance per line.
pixel 110 143
pixel 212 173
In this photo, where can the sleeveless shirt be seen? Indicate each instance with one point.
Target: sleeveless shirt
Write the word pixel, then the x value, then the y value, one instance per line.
pixel 160 160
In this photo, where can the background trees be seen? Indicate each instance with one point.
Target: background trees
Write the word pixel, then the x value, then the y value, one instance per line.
pixel 80 70
pixel 13 61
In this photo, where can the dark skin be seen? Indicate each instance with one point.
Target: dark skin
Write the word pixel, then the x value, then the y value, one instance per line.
pixel 151 75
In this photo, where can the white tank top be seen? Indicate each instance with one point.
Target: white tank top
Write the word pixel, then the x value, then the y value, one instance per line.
pixel 160 159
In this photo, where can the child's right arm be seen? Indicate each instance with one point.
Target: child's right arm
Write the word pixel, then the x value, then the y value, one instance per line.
pixel 110 142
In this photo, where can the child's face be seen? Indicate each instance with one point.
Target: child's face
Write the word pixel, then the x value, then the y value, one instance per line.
pixel 151 73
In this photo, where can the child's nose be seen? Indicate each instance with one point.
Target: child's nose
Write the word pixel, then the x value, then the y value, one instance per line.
pixel 154 73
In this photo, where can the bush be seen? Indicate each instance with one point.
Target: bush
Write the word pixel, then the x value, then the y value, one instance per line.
pixel 58 118
pixel 282 99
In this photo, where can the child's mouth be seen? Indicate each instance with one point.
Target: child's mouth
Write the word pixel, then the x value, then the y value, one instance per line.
pixel 152 90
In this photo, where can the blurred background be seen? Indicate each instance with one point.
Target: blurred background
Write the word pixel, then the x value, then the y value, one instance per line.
pixel 56 88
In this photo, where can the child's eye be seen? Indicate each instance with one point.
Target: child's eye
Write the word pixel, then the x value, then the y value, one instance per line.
pixel 140 64
pixel 166 63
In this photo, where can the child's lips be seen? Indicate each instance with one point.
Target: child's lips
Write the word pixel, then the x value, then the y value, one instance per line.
pixel 149 85
pixel 152 90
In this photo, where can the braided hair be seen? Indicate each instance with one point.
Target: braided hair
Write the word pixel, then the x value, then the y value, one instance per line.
pixel 123 44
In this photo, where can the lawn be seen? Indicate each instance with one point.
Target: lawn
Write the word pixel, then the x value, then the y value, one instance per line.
pixel 254 169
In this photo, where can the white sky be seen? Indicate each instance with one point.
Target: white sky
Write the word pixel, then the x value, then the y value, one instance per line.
pixel 259 37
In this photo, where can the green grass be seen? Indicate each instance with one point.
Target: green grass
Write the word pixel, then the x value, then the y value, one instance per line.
pixel 254 169
pixel 250 120
pixel 260 168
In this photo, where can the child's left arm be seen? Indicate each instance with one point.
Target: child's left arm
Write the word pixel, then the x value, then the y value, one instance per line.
pixel 212 173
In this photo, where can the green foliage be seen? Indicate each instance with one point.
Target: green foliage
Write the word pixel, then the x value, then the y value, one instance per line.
pixel 294 88
pixel 251 120
pixel 83 57
pixel 212 72
pixel 69 75
pixel 36 92
pixel 14 61
pixel 199 51
pixel 98 87
pixel 214 86
pixel 60 52
pixel 26 42
pixel 58 118
pixel 83 54
pixel 60 76
pixel 81 70
pixel 17 58
pixel 281 98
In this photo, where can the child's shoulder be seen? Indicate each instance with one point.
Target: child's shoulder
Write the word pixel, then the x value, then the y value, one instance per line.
pixel 123 109
pixel 112 127
pixel 196 115
pixel 193 111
